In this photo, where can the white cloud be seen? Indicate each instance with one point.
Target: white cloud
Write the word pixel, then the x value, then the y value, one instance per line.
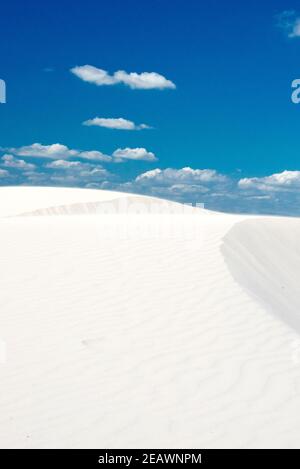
pixel 62 152
pixel 188 189
pixel 44 151
pixel 57 150
pixel 95 156
pixel 76 173
pixel 286 180
pixel 152 174
pixel 289 21
pixel 96 174
pixel 184 175
pixel 93 75
pixel 137 154
pixel 68 165
pixel 145 80
pixel 118 123
pixel 9 161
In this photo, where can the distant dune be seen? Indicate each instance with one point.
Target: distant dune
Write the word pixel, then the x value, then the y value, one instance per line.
pixel 132 322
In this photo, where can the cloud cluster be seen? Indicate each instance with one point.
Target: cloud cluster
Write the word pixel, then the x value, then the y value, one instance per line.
pixel 184 184
pixel 145 80
pixel 58 151
pixel 274 194
pixel 9 161
pixel 61 165
pixel 118 123
pixel 76 172
pixel 278 193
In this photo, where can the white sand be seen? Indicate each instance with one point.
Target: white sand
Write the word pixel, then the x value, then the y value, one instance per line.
pixel 145 330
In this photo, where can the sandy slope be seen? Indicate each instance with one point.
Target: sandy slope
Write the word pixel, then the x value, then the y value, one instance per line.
pixel 145 330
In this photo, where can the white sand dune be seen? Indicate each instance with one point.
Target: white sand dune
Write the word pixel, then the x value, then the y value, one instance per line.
pixel 264 257
pixel 167 328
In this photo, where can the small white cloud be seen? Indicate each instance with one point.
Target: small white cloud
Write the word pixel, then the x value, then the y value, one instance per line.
pixel 148 175
pixel 145 80
pixel 289 21
pixel 118 123
pixel 9 161
pixel 44 151
pixel 137 154
pixel 276 182
pixel 96 174
pixel 183 175
pixel 95 155
pixel 188 189
pixel 93 75
pixel 63 164
pixel 76 173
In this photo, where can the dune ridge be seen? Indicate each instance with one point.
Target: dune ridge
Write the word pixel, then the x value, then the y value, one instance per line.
pixel 264 256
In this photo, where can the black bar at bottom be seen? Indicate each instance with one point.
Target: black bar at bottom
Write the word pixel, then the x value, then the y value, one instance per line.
pixel 149 457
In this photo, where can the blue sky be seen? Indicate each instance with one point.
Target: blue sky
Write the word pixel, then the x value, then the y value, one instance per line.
pixel 229 117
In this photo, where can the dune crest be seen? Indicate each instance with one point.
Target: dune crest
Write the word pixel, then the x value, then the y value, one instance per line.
pixel 117 206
